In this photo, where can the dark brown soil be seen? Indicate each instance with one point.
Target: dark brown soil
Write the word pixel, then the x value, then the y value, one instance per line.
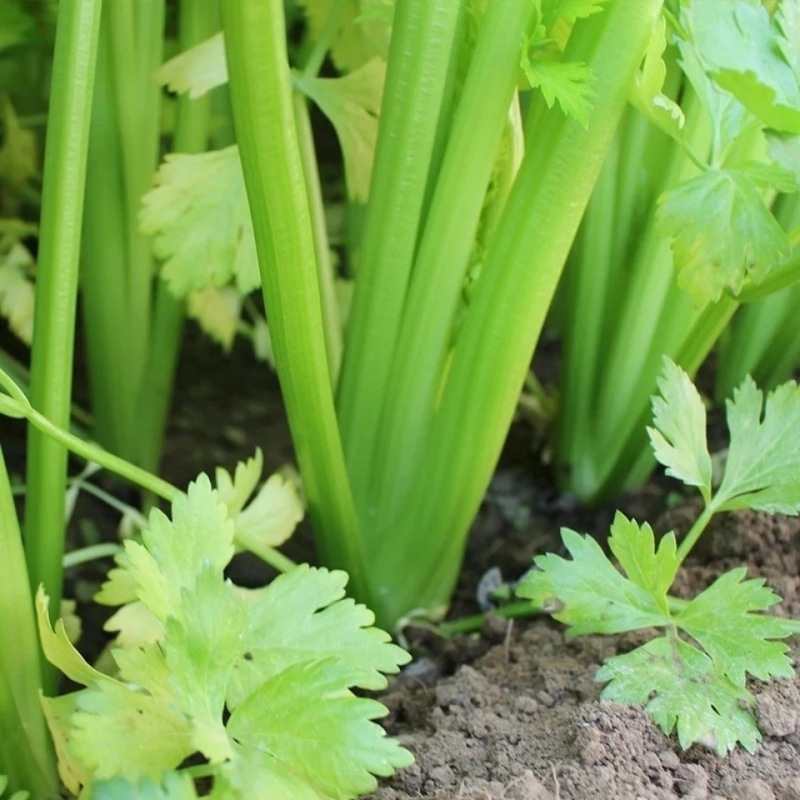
pixel 518 717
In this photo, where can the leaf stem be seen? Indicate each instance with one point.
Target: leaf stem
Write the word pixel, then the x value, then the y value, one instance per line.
pixel 700 524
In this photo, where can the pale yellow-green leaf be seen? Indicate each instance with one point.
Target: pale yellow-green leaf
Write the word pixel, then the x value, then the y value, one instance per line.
pixel 58 649
pixel 197 70
pixel 18 159
pixel 273 514
pixel 135 625
pixel 200 222
pixel 17 291
pixel 234 490
pixel 217 311
pixel 58 712
pixel 352 104
pixel 71 620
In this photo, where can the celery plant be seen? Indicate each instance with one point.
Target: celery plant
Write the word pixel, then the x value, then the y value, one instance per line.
pixel 678 227
pixel 396 457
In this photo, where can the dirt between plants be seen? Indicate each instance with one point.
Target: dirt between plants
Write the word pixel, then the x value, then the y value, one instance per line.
pixel 513 713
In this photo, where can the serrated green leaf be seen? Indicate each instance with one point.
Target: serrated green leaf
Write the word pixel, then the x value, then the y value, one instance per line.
pixel 58 712
pixel 679 436
pixel 352 104
pixel 652 569
pixel 200 648
pixel 680 688
pixel 745 51
pixel 272 515
pixel 304 719
pixel 235 490
pixel 174 552
pixel 763 467
pixel 253 773
pixel 301 616
pixel 721 233
pixel 590 594
pixel 565 82
pixel 722 621
pixel 197 70
pixel 200 222
pixel 172 786
pixel 787 19
pixel 117 731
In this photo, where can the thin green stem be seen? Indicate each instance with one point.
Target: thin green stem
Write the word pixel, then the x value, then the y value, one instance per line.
pixel 91 553
pixel 96 454
pixel 269 555
pixel 262 102
pixel 57 286
pixel 700 524
pixel 475 622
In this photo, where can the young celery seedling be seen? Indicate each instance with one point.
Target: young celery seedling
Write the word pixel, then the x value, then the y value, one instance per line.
pixel 692 677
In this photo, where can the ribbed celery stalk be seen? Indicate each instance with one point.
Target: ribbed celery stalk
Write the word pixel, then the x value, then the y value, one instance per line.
pixel 506 314
pixel 26 755
pixel 57 285
pixel 262 103
pixel 420 55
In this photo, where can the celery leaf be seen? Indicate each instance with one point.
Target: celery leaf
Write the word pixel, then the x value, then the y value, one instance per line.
pixel 752 56
pixel 200 222
pixel 651 568
pixel 254 773
pixel 722 233
pixel 352 104
pixel 681 688
pixel 739 641
pixel 763 466
pixel 589 593
pixel 280 661
pixel 304 719
pixel 197 70
pixel 679 436
pixel 321 625
pixel 565 82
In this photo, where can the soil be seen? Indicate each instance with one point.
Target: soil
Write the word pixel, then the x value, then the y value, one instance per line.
pixel 512 712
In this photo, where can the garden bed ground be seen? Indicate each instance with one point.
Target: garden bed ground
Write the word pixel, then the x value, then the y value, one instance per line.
pixel 513 711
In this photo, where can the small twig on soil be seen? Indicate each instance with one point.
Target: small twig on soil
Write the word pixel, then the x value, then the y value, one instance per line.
pixel 507 641
pixel 556 785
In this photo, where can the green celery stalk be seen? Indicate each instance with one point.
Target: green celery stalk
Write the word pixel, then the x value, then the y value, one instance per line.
pixel 26 755
pixel 511 299
pixel 417 80
pixel 262 103
pixel 419 363
pixel 57 284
